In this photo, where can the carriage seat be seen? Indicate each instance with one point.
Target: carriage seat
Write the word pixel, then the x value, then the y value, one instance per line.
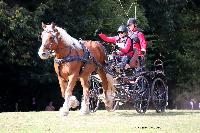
pixel 136 64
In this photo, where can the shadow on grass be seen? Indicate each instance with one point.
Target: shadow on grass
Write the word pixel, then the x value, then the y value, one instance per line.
pixel 153 113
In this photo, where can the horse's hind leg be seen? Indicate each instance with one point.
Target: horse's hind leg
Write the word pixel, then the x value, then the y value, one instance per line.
pixel 70 101
pixel 108 98
pixel 85 101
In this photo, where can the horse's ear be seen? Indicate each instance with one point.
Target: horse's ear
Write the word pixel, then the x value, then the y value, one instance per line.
pixel 53 25
pixel 43 25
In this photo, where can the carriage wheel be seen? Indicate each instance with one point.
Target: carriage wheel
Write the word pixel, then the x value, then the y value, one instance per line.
pixel 142 94
pixel 159 93
pixel 93 104
pixel 94 92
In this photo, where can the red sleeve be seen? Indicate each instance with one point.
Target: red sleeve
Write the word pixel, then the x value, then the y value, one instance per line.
pixel 127 46
pixel 107 39
pixel 143 42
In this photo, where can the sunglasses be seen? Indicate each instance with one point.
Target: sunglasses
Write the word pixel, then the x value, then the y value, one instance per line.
pixel 120 32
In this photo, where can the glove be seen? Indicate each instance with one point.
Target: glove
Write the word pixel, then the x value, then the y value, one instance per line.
pixel 143 51
pixel 116 47
pixel 97 31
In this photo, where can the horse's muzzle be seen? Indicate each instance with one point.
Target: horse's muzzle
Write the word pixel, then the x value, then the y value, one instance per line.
pixel 46 54
pixel 43 55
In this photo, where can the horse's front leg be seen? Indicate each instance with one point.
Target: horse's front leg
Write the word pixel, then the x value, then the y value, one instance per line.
pixel 85 101
pixel 63 85
pixel 62 81
pixel 70 101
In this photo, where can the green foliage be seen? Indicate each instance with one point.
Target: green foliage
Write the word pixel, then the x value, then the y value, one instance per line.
pixel 176 24
pixel 18 34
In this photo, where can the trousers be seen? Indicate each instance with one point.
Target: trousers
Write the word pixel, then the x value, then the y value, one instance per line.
pixel 122 60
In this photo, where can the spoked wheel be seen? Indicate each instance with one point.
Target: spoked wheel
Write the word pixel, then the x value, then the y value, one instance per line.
pixel 142 94
pixel 159 93
pixel 93 104
pixel 95 87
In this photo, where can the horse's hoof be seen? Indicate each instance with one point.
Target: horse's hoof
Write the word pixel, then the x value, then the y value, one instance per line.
pixel 109 106
pixel 63 112
pixel 84 112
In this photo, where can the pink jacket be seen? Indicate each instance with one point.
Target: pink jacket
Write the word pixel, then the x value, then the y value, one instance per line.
pixel 142 44
pixel 114 39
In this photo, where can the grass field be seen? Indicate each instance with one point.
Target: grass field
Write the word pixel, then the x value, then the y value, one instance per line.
pixel 120 121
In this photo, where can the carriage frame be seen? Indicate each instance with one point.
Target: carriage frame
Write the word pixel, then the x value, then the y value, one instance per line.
pixel 139 87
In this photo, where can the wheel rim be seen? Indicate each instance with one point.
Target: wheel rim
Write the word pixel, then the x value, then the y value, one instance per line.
pixel 142 94
pixel 159 95
pixel 94 94
pixel 93 104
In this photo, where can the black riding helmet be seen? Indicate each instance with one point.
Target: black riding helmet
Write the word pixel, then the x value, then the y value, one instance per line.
pixel 131 21
pixel 122 28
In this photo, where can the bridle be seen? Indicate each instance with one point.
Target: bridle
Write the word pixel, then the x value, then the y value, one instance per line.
pixel 54 41
pixel 53 37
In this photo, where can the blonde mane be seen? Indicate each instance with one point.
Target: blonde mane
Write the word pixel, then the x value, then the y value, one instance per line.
pixel 68 40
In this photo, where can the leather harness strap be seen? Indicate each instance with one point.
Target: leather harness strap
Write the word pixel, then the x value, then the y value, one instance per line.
pixel 86 58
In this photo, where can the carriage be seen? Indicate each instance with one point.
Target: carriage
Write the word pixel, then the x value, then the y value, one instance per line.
pixel 136 86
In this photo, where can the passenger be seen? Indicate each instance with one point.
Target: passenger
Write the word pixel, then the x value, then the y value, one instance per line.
pixel 138 38
pixel 123 44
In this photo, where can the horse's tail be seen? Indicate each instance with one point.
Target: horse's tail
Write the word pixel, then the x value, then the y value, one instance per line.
pixel 108 76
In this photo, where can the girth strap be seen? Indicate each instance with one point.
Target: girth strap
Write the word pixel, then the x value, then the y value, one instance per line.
pixel 70 58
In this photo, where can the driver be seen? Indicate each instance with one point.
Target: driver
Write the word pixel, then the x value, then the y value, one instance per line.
pixel 123 44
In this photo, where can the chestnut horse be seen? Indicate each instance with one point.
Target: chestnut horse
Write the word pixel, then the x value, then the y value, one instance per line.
pixel 74 60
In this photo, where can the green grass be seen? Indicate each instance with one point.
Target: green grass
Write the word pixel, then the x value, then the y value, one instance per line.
pixel 120 121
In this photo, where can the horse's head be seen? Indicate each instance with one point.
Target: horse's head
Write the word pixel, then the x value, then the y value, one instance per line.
pixel 50 37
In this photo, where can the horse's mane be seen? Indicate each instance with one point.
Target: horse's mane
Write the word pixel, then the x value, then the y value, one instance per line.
pixel 68 40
